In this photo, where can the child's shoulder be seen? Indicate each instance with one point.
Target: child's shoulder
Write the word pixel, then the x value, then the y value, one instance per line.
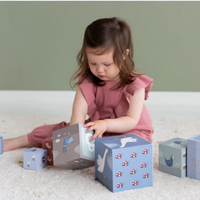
pixel 87 85
pixel 141 81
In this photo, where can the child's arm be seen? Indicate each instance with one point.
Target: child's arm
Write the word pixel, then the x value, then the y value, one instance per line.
pixel 79 110
pixel 121 124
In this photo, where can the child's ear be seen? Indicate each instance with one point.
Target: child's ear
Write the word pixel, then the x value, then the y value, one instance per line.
pixel 127 52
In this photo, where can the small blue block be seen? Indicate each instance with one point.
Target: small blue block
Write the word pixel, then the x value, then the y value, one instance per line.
pixel 123 162
pixel 1 144
pixel 35 159
pixel 172 157
pixel 193 157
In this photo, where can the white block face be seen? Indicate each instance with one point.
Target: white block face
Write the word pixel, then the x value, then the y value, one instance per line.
pixel 87 146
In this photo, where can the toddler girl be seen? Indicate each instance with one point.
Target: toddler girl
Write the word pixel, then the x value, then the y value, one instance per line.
pixel 108 90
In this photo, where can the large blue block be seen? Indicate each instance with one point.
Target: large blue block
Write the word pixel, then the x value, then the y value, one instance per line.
pixel 123 162
pixel 193 157
pixel 35 158
pixel 172 156
pixel 1 144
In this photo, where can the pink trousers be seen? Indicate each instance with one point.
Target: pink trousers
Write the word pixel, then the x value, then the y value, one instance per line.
pixel 36 137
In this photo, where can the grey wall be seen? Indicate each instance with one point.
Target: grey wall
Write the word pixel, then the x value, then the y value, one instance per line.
pixel 39 41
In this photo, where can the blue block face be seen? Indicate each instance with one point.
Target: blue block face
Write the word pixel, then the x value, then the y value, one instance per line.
pixel 172 157
pixel 123 162
pixel 193 157
pixel 35 158
pixel 1 145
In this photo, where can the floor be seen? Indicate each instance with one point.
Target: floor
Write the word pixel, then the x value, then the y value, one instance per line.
pixel 21 111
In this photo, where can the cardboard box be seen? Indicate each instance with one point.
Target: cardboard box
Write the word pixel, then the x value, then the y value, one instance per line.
pixel 123 162
pixel 193 157
pixel 35 158
pixel 72 148
pixel 172 157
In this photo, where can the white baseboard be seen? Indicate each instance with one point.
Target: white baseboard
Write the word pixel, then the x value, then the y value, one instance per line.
pixel 60 102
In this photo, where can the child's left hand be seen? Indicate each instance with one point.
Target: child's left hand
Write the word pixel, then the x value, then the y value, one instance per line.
pixel 99 127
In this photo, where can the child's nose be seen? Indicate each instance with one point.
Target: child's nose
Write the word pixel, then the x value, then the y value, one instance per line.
pixel 100 69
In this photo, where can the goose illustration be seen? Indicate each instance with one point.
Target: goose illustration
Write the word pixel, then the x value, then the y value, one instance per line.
pixel 170 161
pixel 177 142
pixel 66 141
pixel 101 161
pixel 124 141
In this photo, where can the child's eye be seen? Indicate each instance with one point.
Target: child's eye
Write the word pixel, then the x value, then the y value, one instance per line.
pixel 93 63
pixel 107 65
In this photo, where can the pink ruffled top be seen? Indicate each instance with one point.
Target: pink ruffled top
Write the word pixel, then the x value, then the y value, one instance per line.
pixel 104 103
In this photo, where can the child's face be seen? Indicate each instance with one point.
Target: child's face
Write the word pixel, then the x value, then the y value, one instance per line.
pixel 102 65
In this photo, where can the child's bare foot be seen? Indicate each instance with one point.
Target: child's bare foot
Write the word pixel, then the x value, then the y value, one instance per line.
pixel 15 143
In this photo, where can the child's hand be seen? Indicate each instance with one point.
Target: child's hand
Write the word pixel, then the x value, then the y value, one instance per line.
pixel 99 127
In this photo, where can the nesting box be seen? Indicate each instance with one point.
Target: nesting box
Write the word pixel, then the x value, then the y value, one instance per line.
pixel 48 145
pixel 35 158
pixel 193 157
pixel 123 162
pixel 172 157
pixel 72 148
pixel 1 144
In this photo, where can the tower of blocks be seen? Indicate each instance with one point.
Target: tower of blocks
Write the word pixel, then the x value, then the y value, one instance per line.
pixel 193 157
pixel 35 158
pixel 1 145
pixel 123 162
pixel 48 145
pixel 72 148
pixel 172 157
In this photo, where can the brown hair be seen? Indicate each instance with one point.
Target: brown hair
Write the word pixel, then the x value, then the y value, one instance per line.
pixel 107 33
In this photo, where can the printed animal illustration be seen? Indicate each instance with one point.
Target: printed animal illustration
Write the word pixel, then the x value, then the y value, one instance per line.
pixel 66 141
pixel 177 142
pixel 124 141
pixel 101 161
pixel 170 161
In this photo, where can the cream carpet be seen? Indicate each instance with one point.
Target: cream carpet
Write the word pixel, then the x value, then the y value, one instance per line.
pixel 54 183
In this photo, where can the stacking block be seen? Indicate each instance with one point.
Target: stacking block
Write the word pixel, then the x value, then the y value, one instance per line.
pixel 123 162
pixel 1 145
pixel 35 158
pixel 48 145
pixel 172 157
pixel 72 148
pixel 193 157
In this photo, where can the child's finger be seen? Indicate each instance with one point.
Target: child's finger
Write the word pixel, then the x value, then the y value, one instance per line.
pixel 94 136
pixel 91 128
pixel 88 124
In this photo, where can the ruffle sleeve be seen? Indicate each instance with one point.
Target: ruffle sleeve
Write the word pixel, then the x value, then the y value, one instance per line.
pixel 89 91
pixel 140 82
